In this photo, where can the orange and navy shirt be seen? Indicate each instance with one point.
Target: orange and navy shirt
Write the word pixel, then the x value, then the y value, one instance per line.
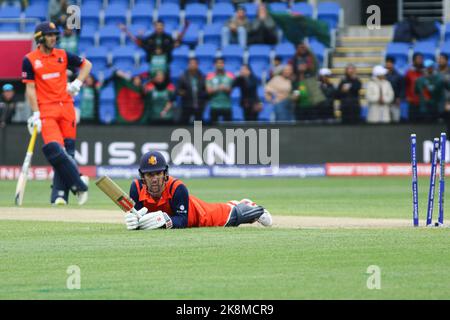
pixel 48 72
pixel 186 211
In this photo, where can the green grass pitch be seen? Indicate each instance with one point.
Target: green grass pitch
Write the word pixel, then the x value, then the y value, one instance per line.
pixel 233 263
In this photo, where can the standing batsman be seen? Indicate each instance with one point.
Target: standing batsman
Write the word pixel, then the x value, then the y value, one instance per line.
pixel 162 201
pixel 50 98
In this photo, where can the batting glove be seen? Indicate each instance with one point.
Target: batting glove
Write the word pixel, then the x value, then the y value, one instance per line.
pixel 155 220
pixel 74 87
pixel 132 219
pixel 33 121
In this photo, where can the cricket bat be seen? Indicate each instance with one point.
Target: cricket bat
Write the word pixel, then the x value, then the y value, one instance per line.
pixel 22 181
pixel 116 194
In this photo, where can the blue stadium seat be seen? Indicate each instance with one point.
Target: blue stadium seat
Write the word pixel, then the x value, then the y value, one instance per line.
pixel 142 14
pixel 237 114
pixel 175 72
pixel 109 36
pixel 445 48
pixel 123 57
pixel 222 12
pixel 136 30
pixel 319 50
pixel 120 2
pixel 10 11
pixel 212 34
pixel 447 32
pixel 251 9
pixel 180 56
pixel 303 8
pixel 38 2
pixel 278 6
pixel 36 11
pixel 107 108
pixel 206 54
pixel 91 3
pixel 115 13
pixel 400 52
pixel 9 27
pixel 196 13
pixel 233 55
pixel 285 50
pixel 259 57
pixel 436 37
pixel 426 48
pixel 86 38
pixel 152 2
pixel 169 13
pixel 90 15
pixel 98 56
pixel 329 13
pixel 177 2
pixel 192 35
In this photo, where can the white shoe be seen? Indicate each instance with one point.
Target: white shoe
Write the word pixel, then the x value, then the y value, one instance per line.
pixel 60 202
pixel 82 196
pixel 265 219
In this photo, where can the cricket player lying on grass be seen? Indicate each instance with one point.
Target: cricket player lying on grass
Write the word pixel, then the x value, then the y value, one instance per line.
pixel 164 202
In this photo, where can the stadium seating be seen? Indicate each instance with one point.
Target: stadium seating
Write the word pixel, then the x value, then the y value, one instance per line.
pixel 447 32
pixel 278 6
pixel 434 38
pixel 285 51
pixel 196 14
pixel 107 109
pixel 36 11
pixel 10 11
pixel 115 13
pixel 137 30
pixel 180 56
pixel 42 3
pixel 445 48
pixel 175 72
pixel 89 15
pixel 426 48
pixel 151 2
pixel 329 13
pixel 142 14
pixel 98 56
pixel 124 57
pixel 86 38
pixel 251 10
pixel 192 35
pixel 212 34
pixel 237 114
pixel 205 55
pixel 319 50
pixel 222 12
pixel 110 36
pixel 259 57
pixel 233 56
pixel 400 52
pixel 169 13
pixel 303 8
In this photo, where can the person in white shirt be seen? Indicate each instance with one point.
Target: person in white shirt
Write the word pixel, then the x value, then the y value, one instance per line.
pixel 379 95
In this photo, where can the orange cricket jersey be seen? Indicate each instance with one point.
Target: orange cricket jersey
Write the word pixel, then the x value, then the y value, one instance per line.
pixel 49 74
pixel 200 213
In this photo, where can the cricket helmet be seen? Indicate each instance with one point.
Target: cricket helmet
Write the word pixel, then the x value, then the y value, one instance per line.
pixel 153 161
pixel 44 28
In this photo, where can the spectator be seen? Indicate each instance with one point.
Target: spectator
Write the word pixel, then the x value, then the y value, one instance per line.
pixel 236 29
pixel 69 41
pixel 192 90
pixel 410 82
pixel 348 95
pixel 8 104
pixel 430 89
pixel 218 86
pixel 278 92
pixel 159 63
pixel 160 94
pixel 444 70
pixel 379 96
pixel 277 67
pixel 157 40
pixel 325 109
pixel 89 100
pixel 262 29
pixel 248 85
pixel 58 11
pixel 397 84
pixel 304 62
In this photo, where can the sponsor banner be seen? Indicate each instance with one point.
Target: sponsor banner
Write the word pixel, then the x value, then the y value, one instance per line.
pixel 39 172
pixel 302 171
pixel 377 169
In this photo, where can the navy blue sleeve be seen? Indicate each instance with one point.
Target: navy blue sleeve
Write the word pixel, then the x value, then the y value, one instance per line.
pixel 135 196
pixel 73 61
pixel 180 207
pixel 27 70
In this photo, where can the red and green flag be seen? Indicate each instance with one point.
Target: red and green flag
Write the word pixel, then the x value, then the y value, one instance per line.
pixel 130 103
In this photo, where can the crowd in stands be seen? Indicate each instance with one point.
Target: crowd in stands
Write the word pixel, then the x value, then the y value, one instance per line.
pixel 295 86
